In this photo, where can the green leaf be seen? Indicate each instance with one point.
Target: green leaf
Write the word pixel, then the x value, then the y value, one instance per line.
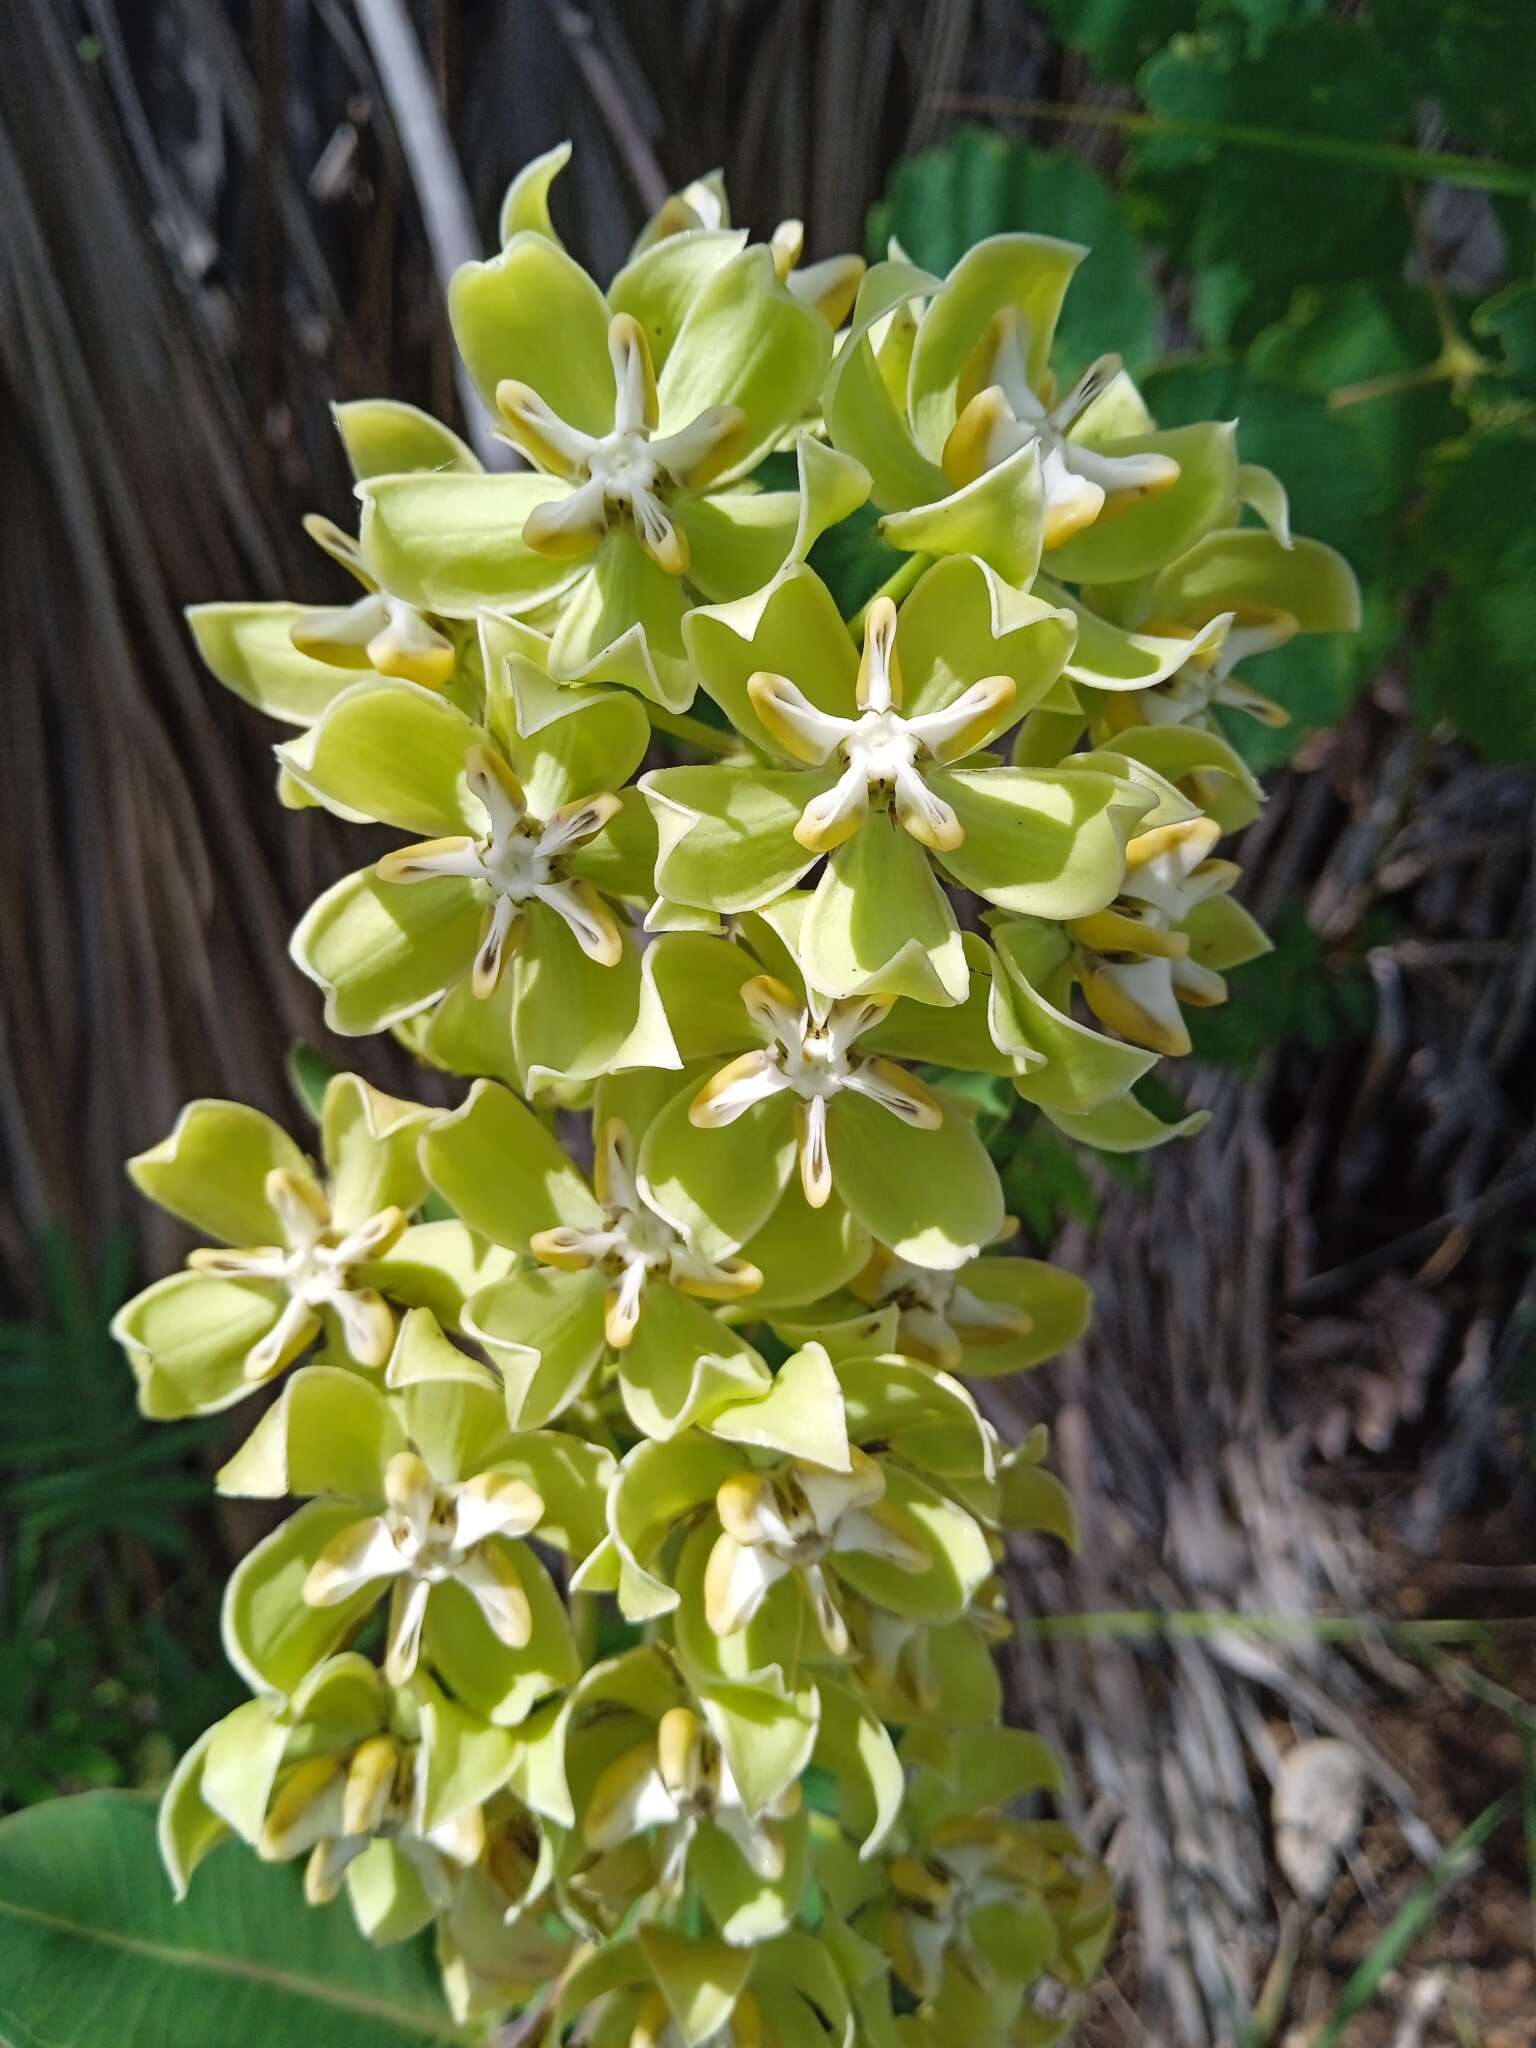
pixel 977 183
pixel 1256 223
pixel 97 1954
pixel 1117 36
pixel 1478 535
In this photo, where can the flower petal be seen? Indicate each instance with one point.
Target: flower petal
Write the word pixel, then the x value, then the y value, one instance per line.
pixel 452 543
pixel 622 623
pixel 746 342
pixel 573 1020
pixel 250 648
pixel 879 924
pixel 660 284
pixel 272 1636
pixel 1026 274
pixel 383 949
pixel 932 1195
pixel 503 1172
pixel 491 1678
pixel 211 1171
pixel 1050 842
pixel 865 418
pixel 188 1337
pixel 1000 516
pixel 684 1365
pixel 1158 529
pixel 726 834
pixel 792 628
pixel 534 314
pixel 545 1331
pixel 718 1186
pixel 961 625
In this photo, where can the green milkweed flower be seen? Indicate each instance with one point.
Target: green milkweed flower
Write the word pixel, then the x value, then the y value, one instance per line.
pixel 818 1089
pixel 301 1259
pixel 425 1493
pixel 1273 586
pixel 875 742
pixel 701 206
pixel 534 845
pixel 954 413
pixel 744 1530
pixel 645 411
pixel 290 660
pixel 613 1275
pixel 379 1786
pixel 661 1989
pixel 993 1315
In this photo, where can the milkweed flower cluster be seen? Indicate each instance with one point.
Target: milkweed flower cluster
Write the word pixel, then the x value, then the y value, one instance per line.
pixel 634 1624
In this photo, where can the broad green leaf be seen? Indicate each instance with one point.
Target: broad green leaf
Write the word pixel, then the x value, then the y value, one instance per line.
pixel 97 1954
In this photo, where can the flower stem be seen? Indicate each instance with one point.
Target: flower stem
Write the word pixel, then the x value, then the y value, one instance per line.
pixel 894 587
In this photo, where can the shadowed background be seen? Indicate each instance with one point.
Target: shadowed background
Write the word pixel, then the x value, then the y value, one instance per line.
pixel 1305 1390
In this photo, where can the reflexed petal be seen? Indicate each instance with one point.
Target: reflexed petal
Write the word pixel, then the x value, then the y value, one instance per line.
pixel 684 1365
pixel 487 1675
pixel 211 1171
pixel 622 623
pixel 962 626
pixel 737 539
pixel 370 1143
pixel 381 950
pixel 451 544
pixel 746 342
pixel 662 281
pixel 727 835
pixel 573 1018
pixel 865 413
pixel 544 1329
pixel 1125 1125
pixel 503 1172
pixel 272 1635
pixel 532 313
pixel 1156 530
pixel 1241 568
pixel 1049 842
pixel 931 1195
pixel 384 436
pixel 525 205
pixel 250 648
pixel 394 752
pixel 719 1185
pixel 879 923
pixel 1028 274
pixel 188 1337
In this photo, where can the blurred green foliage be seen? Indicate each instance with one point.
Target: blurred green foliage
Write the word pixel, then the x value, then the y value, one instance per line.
pixel 1315 196
pixel 104 1575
